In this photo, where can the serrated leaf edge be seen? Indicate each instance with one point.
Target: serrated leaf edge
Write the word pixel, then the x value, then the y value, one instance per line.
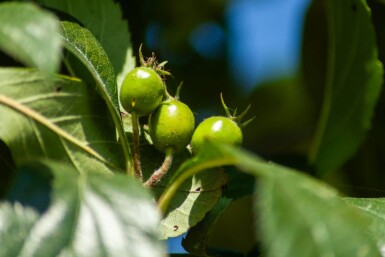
pixel 112 107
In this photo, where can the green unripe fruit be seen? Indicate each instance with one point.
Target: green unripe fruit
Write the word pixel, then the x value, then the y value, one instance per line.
pixel 171 126
pixel 142 91
pixel 218 129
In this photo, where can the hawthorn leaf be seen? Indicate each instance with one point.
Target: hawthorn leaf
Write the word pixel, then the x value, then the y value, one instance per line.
pixel 84 45
pixel 62 120
pixel 16 222
pixel 30 34
pixel 299 216
pixel 104 20
pixel 196 240
pixel 374 210
pixel 93 214
pixel 296 215
pixel 194 198
pixel 352 82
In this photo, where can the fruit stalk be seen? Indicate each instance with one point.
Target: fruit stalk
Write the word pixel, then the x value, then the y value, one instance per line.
pixel 135 141
pixel 159 173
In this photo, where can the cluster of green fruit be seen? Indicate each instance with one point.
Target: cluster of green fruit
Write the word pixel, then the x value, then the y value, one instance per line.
pixel 171 123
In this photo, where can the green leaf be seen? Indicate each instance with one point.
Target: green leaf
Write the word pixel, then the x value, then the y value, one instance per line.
pixel 352 83
pixel 374 210
pixel 194 198
pixel 83 44
pixel 196 241
pixel 104 20
pixel 211 157
pixel 299 216
pixel 95 214
pixel 64 120
pixel 15 225
pixel 29 34
pixel 296 215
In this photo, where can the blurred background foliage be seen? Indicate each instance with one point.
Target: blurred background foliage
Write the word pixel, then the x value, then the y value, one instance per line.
pixel 259 52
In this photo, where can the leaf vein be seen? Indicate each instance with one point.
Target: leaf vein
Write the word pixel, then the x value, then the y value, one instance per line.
pixel 29 113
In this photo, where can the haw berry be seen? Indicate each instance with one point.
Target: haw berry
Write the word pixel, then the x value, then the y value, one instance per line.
pixel 218 129
pixel 142 91
pixel 171 126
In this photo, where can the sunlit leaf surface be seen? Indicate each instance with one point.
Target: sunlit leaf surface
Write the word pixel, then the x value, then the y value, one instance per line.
pixel 89 215
pixel 65 120
pixel 30 35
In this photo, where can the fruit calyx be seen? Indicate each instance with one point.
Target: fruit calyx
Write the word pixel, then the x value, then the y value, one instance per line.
pixel 237 118
pixel 152 62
